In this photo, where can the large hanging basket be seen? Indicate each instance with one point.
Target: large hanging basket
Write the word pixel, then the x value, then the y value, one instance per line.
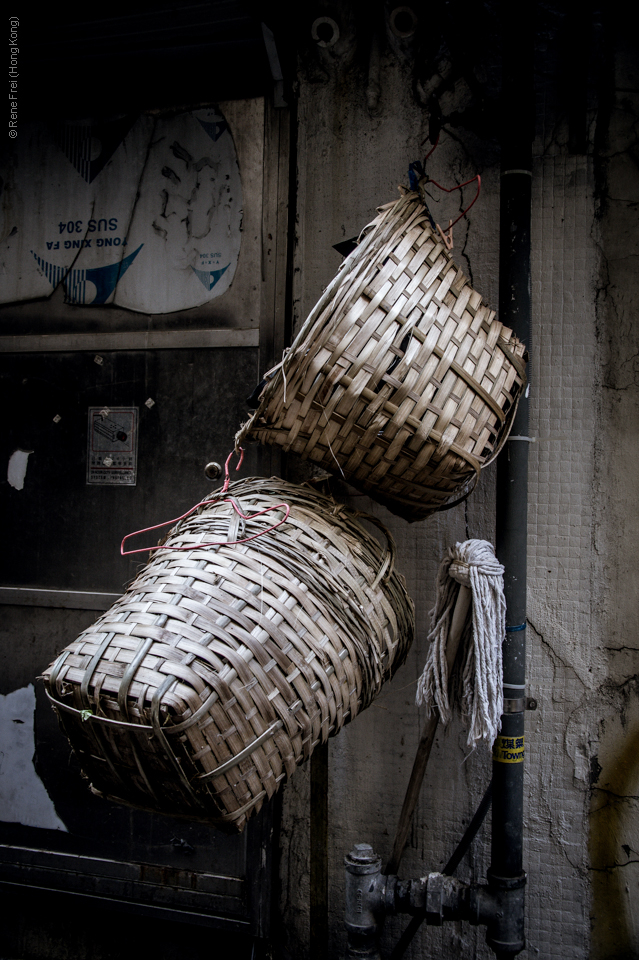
pixel 223 666
pixel 401 379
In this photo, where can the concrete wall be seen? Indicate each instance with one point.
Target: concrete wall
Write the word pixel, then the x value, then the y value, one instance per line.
pixel 614 832
pixel 352 153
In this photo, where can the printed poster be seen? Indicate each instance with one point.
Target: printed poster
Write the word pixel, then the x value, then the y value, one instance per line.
pixel 140 212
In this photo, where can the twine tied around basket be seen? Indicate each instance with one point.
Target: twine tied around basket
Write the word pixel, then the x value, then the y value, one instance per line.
pixel 476 687
pixel 419 181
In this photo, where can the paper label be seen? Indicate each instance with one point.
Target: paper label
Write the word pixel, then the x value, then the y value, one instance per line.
pixel 508 750
pixel 112 455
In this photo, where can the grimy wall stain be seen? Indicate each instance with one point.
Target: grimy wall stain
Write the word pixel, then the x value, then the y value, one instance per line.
pixel 614 825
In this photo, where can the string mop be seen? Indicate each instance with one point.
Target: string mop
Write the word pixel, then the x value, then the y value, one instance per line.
pixel 476 687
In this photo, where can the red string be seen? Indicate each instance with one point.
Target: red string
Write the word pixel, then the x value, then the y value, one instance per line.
pixel 477 177
pixel 452 189
pixel 431 149
pixel 213 543
pixel 227 478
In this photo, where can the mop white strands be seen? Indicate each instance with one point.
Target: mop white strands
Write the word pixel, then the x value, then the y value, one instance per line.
pixel 476 687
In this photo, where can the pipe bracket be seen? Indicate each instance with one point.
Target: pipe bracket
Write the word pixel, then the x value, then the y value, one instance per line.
pixel 514 706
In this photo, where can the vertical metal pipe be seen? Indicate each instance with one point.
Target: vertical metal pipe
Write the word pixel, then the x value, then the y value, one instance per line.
pixel 506 936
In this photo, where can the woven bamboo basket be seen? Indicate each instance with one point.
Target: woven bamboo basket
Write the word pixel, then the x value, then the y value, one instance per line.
pixel 401 379
pixel 223 666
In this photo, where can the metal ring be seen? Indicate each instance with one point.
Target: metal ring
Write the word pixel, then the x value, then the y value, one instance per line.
pixel 329 35
pixel 403 33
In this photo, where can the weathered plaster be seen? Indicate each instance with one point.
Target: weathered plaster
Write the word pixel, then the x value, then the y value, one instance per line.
pixel 343 173
pixel 614 836
pixel 370 761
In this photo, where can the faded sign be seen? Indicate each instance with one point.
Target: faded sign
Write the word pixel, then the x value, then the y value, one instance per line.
pixel 142 213
pixel 112 454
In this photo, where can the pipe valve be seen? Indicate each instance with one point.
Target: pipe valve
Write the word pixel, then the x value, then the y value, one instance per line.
pixel 371 895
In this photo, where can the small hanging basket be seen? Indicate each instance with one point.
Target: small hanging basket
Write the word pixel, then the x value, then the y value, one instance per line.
pixel 224 666
pixel 401 379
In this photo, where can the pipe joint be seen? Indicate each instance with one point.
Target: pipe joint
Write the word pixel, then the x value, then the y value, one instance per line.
pixel 367 899
pixel 500 906
pixel 435 898
pixel 370 896
pixel 364 890
pixel 446 899
pixel 410 895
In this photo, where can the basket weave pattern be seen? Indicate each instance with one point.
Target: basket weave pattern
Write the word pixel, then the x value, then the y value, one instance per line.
pixel 401 378
pixel 223 667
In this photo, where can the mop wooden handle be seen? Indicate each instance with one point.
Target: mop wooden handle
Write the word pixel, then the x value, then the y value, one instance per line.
pixel 427 739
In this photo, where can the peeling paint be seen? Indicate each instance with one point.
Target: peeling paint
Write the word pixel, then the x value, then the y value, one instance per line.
pixel 17 468
pixel 23 798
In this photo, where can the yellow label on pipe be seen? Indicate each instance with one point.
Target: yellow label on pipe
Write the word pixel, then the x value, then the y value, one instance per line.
pixel 508 750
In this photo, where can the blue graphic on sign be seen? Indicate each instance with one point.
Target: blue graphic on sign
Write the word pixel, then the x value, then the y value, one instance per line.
pixel 104 279
pixel 214 130
pixel 209 277
pixel 53 274
pixel 90 146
